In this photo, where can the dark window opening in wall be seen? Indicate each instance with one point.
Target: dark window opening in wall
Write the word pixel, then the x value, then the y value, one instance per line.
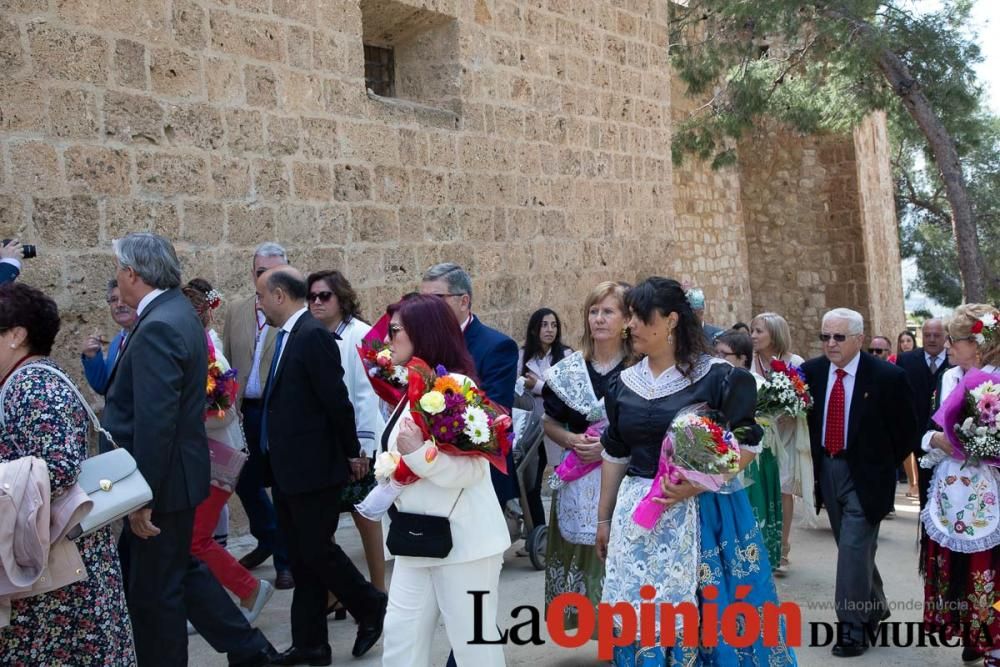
pixel 380 70
pixel 412 53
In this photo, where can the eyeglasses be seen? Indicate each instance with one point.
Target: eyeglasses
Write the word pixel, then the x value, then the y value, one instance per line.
pixel 323 296
pixel 877 350
pixel 393 330
pixel 112 300
pixel 952 341
pixel 825 337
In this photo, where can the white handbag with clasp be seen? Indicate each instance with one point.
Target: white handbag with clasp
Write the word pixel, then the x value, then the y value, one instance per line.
pixel 112 480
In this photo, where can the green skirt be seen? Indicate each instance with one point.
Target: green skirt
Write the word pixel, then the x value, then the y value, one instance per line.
pixel 765 499
pixel 570 568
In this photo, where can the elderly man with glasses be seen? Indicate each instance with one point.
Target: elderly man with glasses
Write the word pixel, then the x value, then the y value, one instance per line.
pixel 97 368
pixel 248 343
pixel 861 428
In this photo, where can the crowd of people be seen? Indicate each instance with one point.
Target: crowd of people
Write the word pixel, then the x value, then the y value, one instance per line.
pixel 310 431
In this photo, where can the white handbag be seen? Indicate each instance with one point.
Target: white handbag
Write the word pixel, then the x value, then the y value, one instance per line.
pixel 112 480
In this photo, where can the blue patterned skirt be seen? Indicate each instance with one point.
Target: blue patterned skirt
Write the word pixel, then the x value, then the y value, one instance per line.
pixel 732 555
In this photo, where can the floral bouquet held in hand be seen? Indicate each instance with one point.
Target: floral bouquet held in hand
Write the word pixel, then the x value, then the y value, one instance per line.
pixel 220 388
pixel 783 392
pixel 970 417
pixel 387 380
pixel 695 448
pixel 455 417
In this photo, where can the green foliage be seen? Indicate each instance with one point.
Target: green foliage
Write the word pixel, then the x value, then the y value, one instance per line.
pixel 811 67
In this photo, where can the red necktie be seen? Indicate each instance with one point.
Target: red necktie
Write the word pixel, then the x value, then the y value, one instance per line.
pixel 834 440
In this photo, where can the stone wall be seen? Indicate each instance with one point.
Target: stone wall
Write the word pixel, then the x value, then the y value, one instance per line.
pixel 820 226
pixel 528 141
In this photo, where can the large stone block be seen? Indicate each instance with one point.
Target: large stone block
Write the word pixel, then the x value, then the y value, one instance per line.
pixel 22 107
pixel 171 173
pixel 73 114
pixel 13 216
pixel 245 131
pixel 370 224
pixel 130 64
pixel 320 138
pixel 353 183
pixel 67 55
pixel 175 73
pixel 203 223
pixel 125 216
pixel 296 224
pixel 198 125
pixel 34 168
pixel 224 80
pixel 231 177
pixel 333 222
pixel 271 179
pixel 97 170
pixel 12 56
pixel 249 225
pixel 133 118
pixel 147 20
pixel 262 90
pixel 301 93
pixel 300 47
pixel 303 11
pixel 312 181
pixel 67 222
pixel 250 37
pixel 190 24
pixel 282 135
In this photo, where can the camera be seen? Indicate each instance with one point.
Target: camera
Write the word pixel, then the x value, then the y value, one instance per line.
pixel 27 251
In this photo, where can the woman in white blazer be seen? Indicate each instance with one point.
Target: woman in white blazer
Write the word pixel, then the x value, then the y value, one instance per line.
pixel 458 487
pixel 334 302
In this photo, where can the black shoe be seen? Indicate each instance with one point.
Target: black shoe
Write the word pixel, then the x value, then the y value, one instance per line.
pixel 337 610
pixel 370 627
pixel 849 649
pixel 971 655
pixel 258 659
pixel 319 656
pixel 284 580
pixel 255 557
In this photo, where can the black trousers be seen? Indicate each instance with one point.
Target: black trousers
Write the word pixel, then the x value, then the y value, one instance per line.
pixel 308 522
pixel 167 586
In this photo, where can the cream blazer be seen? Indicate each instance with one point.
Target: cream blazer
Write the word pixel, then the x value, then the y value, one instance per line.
pixel 478 528
pixel 239 337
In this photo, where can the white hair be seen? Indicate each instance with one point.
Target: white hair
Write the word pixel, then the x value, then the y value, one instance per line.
pixel 270 249
pixel 855 322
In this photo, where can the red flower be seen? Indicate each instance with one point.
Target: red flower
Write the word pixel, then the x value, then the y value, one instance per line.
pixel 977 327
pixel 778 365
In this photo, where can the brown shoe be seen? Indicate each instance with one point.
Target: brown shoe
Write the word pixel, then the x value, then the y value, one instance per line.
pixel 284 581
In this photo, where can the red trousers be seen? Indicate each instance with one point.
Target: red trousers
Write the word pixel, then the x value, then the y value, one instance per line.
pixel 220 562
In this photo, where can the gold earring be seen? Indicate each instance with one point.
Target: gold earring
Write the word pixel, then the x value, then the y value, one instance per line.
pixel 670 337
pixel 625 333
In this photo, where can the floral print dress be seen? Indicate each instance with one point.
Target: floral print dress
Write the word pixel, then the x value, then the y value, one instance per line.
pixel 85 624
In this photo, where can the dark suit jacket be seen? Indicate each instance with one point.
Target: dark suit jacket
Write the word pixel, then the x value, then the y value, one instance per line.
pixel 8 272
pixel 881 426
pixel 155 405
pixel 97 369
pixel 495 356
pixel 924 385
pixel 310 419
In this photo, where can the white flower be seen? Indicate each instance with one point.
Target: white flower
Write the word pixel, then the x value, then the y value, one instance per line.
pixel 477 433
pixel 384 354
pixel 989 320
pixel 475 417
pixel 980 339
pixel 385 465
pixel 400 374
pixel 967 424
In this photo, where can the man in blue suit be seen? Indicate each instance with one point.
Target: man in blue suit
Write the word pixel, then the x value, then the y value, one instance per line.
pixel 97 368
pixel 10 261
pixel 495 354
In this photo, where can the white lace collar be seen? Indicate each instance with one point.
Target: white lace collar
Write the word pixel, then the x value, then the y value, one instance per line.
pixel 639 378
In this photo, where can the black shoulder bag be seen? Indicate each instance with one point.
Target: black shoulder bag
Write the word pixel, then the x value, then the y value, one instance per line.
pixel 420 535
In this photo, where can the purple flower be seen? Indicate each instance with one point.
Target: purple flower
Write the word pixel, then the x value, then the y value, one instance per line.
pixel 959 527
pixel 453 402
pixel 440 370
pixel 989 498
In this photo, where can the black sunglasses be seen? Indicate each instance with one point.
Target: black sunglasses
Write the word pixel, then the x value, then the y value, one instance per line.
pixel 877 350
pixel 825 337
pixel 323 296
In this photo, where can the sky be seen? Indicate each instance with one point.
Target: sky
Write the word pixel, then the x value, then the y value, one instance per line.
pixel 986 22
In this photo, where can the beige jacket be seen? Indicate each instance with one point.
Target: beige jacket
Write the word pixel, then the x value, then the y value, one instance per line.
pixel 239 337
pixel 35 556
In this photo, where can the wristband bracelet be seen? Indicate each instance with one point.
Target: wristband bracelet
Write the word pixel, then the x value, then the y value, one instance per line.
pixel 604 521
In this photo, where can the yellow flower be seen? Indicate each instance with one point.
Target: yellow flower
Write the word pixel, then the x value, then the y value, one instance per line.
pixel 210 385
pixel 432 402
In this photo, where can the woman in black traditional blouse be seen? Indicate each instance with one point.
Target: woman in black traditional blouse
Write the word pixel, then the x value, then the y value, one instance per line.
pixel 702 538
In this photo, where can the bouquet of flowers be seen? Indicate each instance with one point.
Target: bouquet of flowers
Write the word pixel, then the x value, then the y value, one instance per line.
pixel 970 417
pixel 454 416
pixel 220 388
pixel 696 448
pixel 783 392
pixel 388 380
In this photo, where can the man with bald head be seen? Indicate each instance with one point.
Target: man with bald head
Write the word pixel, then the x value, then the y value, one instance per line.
pixel 924 368
pixel 309 439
